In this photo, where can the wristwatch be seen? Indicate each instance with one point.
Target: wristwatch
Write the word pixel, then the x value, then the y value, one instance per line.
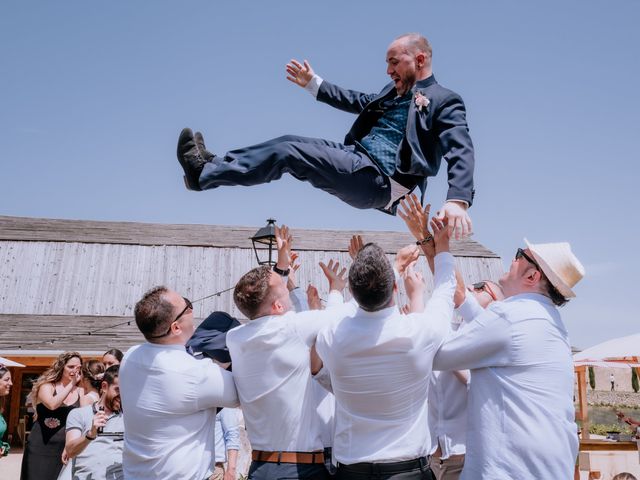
pixel 86 435
pixel 283 273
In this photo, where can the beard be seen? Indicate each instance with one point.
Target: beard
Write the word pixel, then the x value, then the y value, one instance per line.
pixel 114 404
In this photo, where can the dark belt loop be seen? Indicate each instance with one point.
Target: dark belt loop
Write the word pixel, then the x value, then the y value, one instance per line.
pixel 279 457
pixel 422 462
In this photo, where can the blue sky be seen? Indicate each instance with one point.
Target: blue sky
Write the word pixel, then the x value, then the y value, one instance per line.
pixel 94 95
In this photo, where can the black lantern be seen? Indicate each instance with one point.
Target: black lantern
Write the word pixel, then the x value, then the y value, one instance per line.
pixel 264 243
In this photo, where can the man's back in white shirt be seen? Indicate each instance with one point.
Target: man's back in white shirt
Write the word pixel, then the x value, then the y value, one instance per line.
pixel 271 368
pixel 169 402
pixel 380 365
pixel 520 412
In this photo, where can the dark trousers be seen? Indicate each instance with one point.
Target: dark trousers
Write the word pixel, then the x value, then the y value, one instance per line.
pixel 286 471
pixel 407 470
pixel 337 169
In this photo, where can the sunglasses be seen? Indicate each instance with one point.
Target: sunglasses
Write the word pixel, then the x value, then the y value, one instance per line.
pixel 188 306
pixel 522 254
pixel 485 287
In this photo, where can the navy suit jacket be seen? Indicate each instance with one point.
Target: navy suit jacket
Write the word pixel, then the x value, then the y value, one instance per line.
pixel 438 131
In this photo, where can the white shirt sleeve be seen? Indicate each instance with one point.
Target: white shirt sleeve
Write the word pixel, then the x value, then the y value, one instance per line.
pixel 324 379
pixel 484 342
pixel 314 85
pixel 299 300
pixel 309 323
pixel 76 421
pixel 439 309
pixel 470 308
pixel 231 428
pixel 215 387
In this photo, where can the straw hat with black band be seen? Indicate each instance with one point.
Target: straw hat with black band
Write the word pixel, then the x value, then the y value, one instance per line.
pixel 561 267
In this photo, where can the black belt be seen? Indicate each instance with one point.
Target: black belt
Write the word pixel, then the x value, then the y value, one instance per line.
pixel 393 467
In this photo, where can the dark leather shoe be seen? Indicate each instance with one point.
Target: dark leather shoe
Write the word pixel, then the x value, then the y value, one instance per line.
pixel 191 159
pixel 206 154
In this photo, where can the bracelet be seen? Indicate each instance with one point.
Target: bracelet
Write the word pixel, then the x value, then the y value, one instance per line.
pixel 86 435
pixel 425 240
pixel 283 273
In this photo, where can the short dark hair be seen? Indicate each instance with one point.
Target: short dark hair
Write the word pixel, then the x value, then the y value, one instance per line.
pixel 93 370
pixel 552 292
pixel 371 278
pixel 252 290
pixel 111 373
pixel 114 352
pixel 153 313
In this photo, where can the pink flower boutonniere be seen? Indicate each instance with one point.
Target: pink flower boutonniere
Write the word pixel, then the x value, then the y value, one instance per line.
pixel 421 101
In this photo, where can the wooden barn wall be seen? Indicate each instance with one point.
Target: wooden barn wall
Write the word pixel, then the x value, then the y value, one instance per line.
pixel 93 279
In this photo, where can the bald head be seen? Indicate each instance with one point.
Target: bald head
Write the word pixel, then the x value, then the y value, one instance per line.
pixel 408 61
pixel 415 43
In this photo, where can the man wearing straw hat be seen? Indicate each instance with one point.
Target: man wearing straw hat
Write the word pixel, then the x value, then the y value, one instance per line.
pixel 518 351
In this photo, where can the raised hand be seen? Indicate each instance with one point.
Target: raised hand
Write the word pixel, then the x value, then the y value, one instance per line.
pixel 441 234
pixel 293 268
pixel 458 219
pixel 417 220
pixel 355 245
pixel 415 286
pixel 313 298
pixel 405 257
pixel 284 241
pixel 337 278
pixel 298 73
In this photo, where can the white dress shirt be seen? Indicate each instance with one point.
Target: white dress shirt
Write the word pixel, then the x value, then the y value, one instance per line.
pixel 271 368
pixel 520 411
pixel 227 436
pixel 447 414
pixel 169 402
pixel 380 365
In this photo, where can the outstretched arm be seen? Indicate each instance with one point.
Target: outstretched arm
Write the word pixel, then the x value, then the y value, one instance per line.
pixel 457 149
pixel 299 73
pixel 417 220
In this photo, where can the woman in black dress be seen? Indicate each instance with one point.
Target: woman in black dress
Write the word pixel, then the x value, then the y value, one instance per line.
pixel 55 394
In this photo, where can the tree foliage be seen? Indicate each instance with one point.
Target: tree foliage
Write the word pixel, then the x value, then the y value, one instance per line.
pixel 592 378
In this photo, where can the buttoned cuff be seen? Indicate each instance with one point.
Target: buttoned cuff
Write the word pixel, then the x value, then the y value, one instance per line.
pixel 458 200
pixel 314 85
pixel 444 264
pixel 470 308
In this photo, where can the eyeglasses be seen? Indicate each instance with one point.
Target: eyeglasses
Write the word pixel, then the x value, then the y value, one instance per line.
pixel 187 307
pixel 522 254
pixel 485 287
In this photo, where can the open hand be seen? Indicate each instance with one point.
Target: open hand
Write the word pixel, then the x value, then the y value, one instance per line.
pixel 298 73
pixel 355 245
pixel 284 241
pixel 313 298
pixel 293 268
pixel 441 234
pixel 337 278
pixel 458 219
pixel 406 256
pixel 417 219
pixel 414 282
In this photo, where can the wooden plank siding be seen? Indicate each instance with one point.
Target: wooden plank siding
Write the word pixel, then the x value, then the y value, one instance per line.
pixel 59 278
pixel 130 233
pixel 33 333
pixel 56 278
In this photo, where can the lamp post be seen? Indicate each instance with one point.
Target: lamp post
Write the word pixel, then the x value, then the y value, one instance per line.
pixel 264 243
